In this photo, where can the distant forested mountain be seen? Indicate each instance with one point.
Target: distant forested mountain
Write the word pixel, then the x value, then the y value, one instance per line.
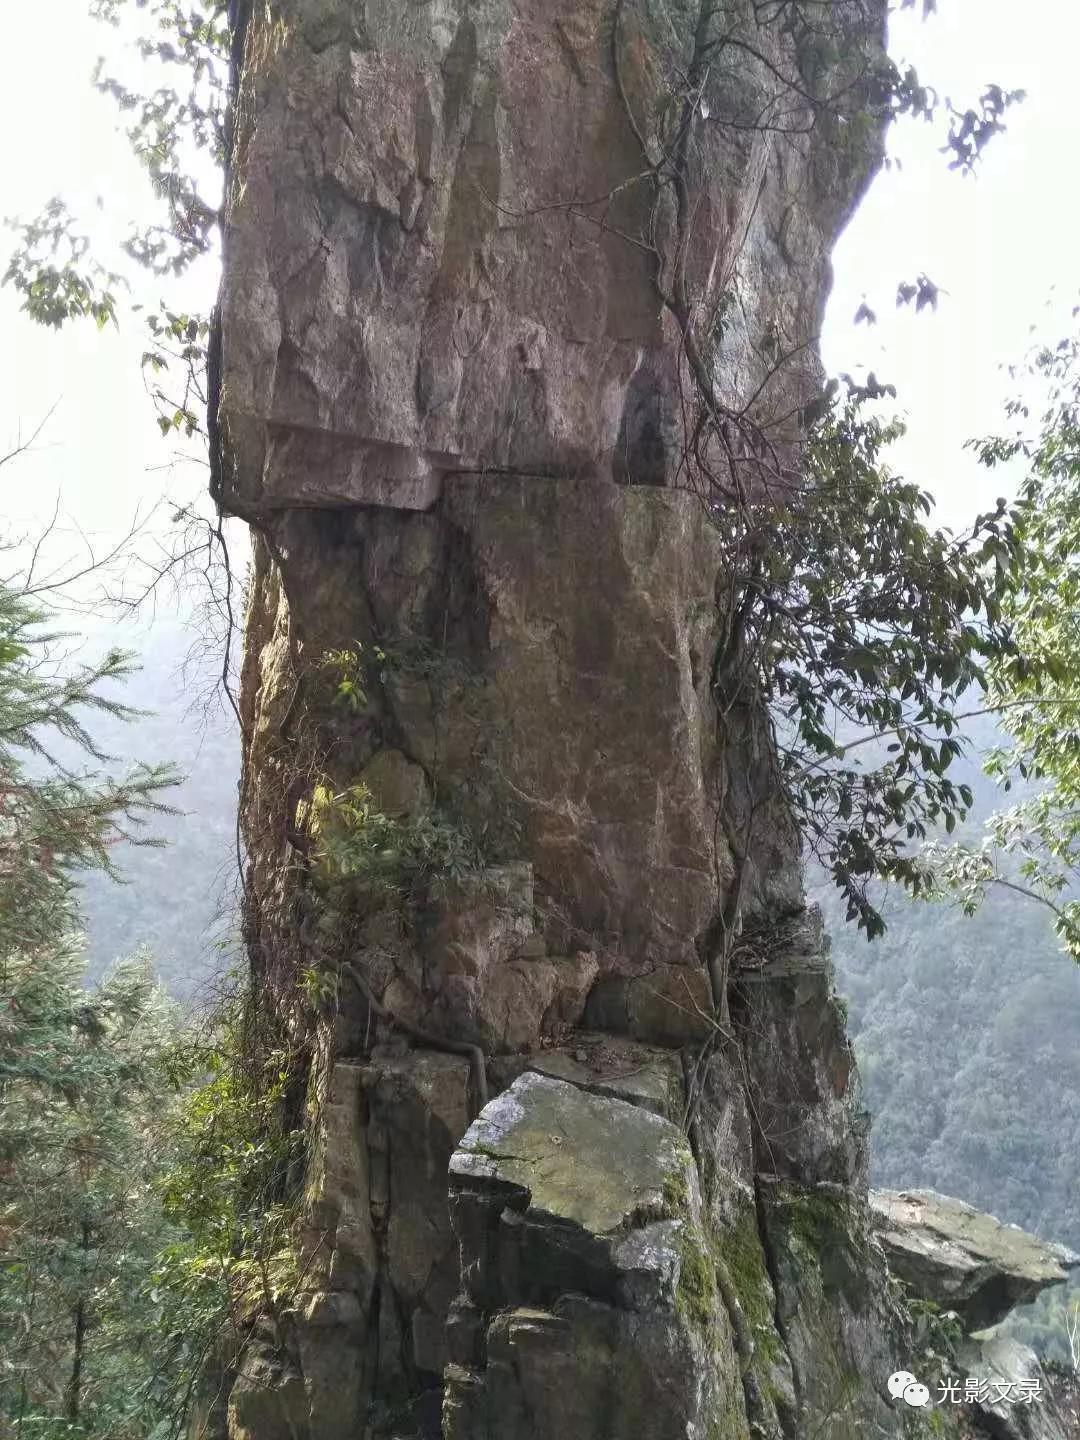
pixel 967 1032
pixel 176 902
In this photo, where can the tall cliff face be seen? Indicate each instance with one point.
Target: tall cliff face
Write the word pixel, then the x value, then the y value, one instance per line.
pixel 479 255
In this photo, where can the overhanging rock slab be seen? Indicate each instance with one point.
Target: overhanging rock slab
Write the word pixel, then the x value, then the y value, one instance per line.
pixel 963 1259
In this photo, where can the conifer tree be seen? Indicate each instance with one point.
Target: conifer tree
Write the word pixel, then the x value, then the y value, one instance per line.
pixel 82 1072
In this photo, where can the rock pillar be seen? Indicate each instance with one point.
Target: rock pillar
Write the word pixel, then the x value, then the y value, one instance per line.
pixel 480 258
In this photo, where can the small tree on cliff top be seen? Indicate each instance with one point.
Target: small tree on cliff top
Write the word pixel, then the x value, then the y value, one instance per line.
pixel 856 619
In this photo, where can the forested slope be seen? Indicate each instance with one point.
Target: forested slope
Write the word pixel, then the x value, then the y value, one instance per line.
pixel 967 1032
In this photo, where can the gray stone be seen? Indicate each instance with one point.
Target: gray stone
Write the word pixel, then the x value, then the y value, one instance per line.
pixel 208 1415
pixel 452 405
pixel 607 1065
pixel 841 1326
pixel 1001 1362
pixel 723 1143
pixel 962 1259
pixel 398 302
pixel 805 1100
pixel 471 981
pixel 586 1370
pixel 334 1362
pixel 568 1174
pixel 716 1083
pixel 268 1400
pixel 669 1005
pixel 418 1109
pixel 380 1250
pixel 625 858
pixel 338 1235
pixel 399 788
pixel 582 1244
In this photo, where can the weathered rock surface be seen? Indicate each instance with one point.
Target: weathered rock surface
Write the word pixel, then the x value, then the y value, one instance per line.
pixel 962 1259
pixel 841 1327
pixel 642 1075
pixel 580 613
pixel 1003 1366
pixel 452 406
pixel 383 1260
pixel 267 1400
pixel 433 250
pixel 550 1169
pixel 809 1124
pixel 584 1255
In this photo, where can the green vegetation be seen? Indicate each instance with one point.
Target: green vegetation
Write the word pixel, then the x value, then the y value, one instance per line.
pixel 867 623
pixel 145 1166
pixel 174 899
pixel 965 1033
pixel 147 1186
pixel 964 1021
pixel 230 1189
pixel 83 1073
pixel 1033 848
pixel 696 1298
pixel 373 857
pixel 84 1081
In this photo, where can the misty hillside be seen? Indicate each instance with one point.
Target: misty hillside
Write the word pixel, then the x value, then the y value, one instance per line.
pixel 176 901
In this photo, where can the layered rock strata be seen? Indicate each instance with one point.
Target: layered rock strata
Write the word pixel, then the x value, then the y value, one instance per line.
pixel 474 250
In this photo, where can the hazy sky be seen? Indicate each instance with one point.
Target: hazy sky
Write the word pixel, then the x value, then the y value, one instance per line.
pixel 997 245
pixel 1002 245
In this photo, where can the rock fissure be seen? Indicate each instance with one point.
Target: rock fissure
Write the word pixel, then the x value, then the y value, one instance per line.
pixel 474 1054
pixel 773 1272
pixel 566 900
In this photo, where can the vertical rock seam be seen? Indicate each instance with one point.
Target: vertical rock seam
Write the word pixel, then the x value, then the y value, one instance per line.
pixel 547 1195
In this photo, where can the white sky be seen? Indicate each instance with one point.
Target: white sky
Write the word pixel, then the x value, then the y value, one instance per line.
pixel 1003 245
pixel 997 245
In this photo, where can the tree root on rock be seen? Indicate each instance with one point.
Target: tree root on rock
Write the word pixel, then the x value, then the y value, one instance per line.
pixel 424 1037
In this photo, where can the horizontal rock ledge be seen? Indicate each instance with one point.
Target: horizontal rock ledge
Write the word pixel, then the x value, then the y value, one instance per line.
pixel 962 1259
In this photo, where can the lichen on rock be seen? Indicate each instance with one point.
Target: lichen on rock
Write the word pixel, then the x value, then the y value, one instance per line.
pixel 455 353
pixel 961 1259
pixel 583 1213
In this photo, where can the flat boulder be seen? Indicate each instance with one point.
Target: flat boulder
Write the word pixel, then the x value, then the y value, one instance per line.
pixel 963 1259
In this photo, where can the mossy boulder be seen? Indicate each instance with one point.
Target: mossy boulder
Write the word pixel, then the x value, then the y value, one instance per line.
pixel 834 1308
pixel 563 1179
pixel 583 1248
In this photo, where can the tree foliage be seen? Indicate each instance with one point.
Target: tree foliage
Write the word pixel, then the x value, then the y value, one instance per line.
pixel 229 1190
pixel 143 1161
pixel 83 1083
pixel 81 1073
pixel 840 604
pixel 59 820
pixel 867 627
pixel 1033 846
